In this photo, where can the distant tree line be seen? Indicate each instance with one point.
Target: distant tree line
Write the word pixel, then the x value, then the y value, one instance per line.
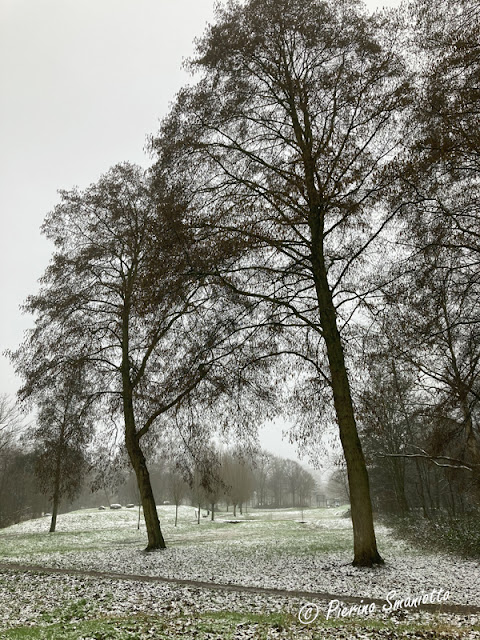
pixel 29 490
pixel 20 497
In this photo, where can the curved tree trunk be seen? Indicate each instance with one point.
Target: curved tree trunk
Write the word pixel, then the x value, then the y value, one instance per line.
pixel 132 443
pixel 139 464
pixel 152 522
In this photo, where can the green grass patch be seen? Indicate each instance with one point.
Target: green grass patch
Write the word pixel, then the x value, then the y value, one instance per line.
pixel 225 625
pixel 133 628
pixel 28 544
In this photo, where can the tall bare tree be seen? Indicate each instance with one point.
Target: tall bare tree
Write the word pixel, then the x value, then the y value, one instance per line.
pixel 283 139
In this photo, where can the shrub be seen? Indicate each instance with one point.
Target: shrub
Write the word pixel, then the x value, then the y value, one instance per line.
pixel 460 535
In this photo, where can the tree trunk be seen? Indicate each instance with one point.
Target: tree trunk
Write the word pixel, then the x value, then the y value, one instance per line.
pixel 234 510
pixel 421 492
pixel 57 479
pixel 452 496
pixel 213 512
pixel 365 545
pixel 154 533
pixel 53 521
pixel 55 501
pixel 135 453
pixel 176 513
pixel 398 475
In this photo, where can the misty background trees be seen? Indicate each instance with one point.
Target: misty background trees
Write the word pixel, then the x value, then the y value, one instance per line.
pixel 305 246
pixel 238 487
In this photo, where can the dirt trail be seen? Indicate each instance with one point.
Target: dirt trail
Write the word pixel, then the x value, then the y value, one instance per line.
pixel 199 584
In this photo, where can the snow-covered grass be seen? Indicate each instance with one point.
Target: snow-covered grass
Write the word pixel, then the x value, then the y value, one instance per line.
pixel 90 529
pixel 262 549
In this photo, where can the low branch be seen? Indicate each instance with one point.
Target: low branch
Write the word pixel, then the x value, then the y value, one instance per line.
pixel 439 461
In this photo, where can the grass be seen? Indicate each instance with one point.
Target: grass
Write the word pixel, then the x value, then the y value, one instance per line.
pixel 225 625
pixel 260 532
pixel 92 530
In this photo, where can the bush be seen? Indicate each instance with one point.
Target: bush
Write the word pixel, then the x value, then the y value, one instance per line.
pixel 460 535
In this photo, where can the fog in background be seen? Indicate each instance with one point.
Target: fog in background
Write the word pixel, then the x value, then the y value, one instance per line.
pixel 83 83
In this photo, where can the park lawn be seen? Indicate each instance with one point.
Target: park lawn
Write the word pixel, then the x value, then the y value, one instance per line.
pixel 284 549
pixel 93 530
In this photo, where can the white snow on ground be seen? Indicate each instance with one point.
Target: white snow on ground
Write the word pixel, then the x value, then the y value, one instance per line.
pixel 32 599
pixel 46 598
pixel 267 550
pixel 245 559
pixel 329 573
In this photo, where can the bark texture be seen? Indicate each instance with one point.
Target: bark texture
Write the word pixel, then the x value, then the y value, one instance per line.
pixel 364 541
pixel 136 455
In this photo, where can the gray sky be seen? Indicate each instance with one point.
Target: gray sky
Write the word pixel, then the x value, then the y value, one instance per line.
pixel 83 82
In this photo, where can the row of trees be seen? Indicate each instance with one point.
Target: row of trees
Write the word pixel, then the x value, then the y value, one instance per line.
pixel 265 481
pixel 312 212
pixel 20 497
pixel 37 476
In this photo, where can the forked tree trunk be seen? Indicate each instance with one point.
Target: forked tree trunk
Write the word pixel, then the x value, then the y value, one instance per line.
pixel 364 542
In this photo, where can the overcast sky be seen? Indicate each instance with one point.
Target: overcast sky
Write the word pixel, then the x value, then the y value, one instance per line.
pixel 83 82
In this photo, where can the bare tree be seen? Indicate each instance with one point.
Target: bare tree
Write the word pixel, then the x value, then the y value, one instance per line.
pixel 63 430
pixel 178 488
pixel 118 301
pixel 283 139
pixel 11 421
pixel 238 479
